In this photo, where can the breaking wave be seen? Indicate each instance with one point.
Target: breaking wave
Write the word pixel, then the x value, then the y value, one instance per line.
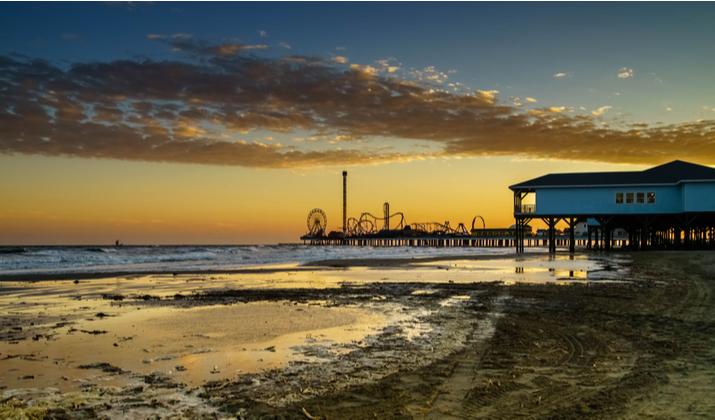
pixel 78 259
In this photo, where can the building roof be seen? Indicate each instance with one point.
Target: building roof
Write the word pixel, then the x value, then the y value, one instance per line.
pixel 667 173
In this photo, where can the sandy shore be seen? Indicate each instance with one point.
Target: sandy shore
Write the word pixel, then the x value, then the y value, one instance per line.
pixel 595 336
pixel 89 275
pixel 192 345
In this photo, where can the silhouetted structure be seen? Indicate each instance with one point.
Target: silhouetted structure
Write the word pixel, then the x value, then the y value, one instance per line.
pixel 391 230
pixel 345 201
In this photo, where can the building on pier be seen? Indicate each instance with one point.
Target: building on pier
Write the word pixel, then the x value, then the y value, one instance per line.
pixel 668 206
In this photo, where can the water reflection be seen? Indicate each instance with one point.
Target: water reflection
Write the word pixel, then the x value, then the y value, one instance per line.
pixel 529 269
pixel 198 344
pixel 558 274
pixel 190 345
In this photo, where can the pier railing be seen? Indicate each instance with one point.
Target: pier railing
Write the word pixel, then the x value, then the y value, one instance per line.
pixel 525 209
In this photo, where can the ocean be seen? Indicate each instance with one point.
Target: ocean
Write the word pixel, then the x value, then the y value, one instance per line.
pixel 90 259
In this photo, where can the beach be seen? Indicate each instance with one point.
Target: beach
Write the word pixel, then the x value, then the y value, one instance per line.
pixel 471 334
pixel 357 210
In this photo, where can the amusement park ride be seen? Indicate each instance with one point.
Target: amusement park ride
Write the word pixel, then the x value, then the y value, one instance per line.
pixel 367 225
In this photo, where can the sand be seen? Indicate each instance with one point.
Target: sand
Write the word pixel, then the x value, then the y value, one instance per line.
pixel 602 336
pixel 191 345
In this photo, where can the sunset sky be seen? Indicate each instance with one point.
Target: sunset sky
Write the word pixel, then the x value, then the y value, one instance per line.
pixel 226 123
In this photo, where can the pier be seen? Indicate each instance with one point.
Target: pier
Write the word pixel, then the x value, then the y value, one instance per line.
pixel 446 242
pixel 671 206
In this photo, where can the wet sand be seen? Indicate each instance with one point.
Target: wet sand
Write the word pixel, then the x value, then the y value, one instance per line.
pixel 623 335
pixel 192 345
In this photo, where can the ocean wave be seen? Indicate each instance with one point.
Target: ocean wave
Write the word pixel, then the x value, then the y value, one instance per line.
pixel 12 250
pixel 97 249
pixel 50 260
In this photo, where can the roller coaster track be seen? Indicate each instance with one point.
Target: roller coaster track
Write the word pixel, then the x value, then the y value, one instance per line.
pixel 484 225
pixel 436 228
pixel 368 223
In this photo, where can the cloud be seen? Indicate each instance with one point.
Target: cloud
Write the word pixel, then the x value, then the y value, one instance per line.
pixel 430 74
pixel 489 96
pixel 388 65
pixel 187 44
pixel 203 106
pixel 365 70
pixel 340 59
pixel 601 110
pixel 530 99
pixel 625 73
pixel 560 75
pixel 263 34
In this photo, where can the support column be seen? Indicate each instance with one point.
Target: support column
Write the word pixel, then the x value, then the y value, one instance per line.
pixel 345 202
pixel 552 235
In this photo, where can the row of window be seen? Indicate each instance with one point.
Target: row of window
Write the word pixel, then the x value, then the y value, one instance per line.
pixel 638 197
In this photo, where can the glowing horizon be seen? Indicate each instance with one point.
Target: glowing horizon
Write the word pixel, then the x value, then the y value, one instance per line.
pixel 146 210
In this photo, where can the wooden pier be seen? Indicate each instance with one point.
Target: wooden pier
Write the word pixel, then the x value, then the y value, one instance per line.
pixel 561 241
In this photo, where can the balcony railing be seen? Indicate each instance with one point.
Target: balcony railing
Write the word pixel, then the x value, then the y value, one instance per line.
pixel 525 209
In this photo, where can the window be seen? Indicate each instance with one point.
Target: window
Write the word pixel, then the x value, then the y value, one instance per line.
pixel 619 198
pixel 651 198
pixel 629 198
pixel 640 198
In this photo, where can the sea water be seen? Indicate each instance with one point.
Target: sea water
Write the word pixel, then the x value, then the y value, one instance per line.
pixel 89 259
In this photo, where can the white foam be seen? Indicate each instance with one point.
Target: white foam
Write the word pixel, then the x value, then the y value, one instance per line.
pixel 57 260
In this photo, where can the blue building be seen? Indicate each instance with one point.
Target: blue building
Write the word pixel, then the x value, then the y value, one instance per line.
pixel 671 205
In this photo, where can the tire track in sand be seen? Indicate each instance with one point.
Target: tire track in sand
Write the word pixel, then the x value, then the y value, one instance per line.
pixel 448 401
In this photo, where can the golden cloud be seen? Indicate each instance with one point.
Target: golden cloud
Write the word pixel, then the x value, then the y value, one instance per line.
pixel 193 110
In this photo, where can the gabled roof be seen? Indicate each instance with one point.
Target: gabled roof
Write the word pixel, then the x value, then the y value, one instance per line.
pixel 667 173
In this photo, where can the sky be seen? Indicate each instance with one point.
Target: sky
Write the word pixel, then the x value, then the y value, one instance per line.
pixel 227 122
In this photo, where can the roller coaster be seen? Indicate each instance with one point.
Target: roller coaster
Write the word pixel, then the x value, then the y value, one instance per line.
pixel 390 224
pixel 369 224
pixel 391 229
pixel 436 228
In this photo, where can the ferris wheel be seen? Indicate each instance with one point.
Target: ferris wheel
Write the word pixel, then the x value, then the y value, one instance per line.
pixel 317 222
